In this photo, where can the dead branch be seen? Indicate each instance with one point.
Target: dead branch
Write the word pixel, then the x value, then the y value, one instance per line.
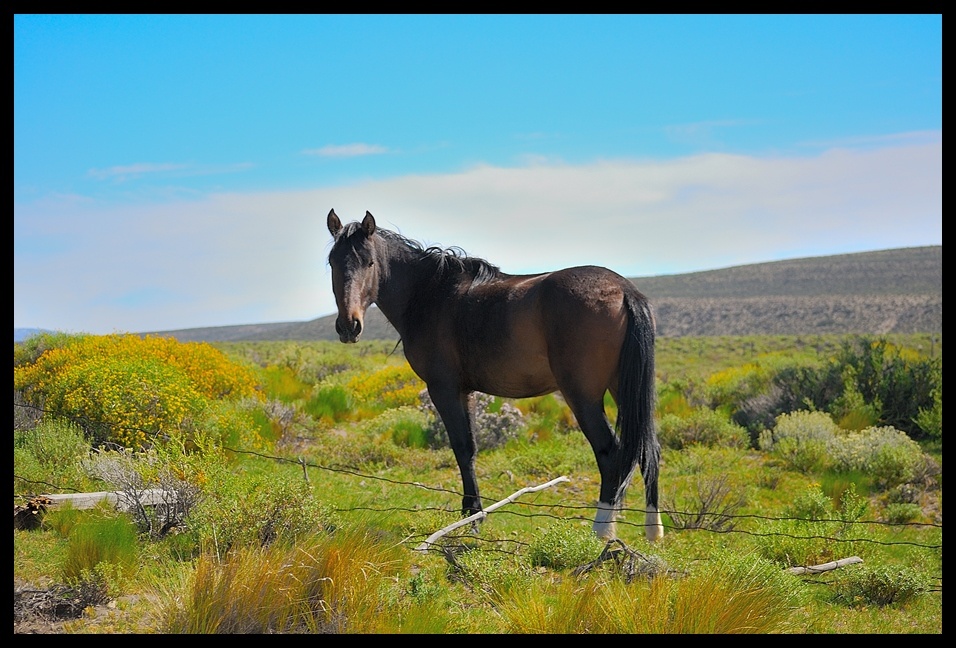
pixel 480 515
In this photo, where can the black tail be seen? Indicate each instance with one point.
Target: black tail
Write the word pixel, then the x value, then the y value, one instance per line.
pixel 636 398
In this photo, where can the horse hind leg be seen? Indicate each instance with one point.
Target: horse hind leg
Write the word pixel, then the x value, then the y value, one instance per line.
pixel 653 527
pixel 593 422
pixel 605 521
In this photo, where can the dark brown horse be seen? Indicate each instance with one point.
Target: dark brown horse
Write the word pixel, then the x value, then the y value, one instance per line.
pixel 466 326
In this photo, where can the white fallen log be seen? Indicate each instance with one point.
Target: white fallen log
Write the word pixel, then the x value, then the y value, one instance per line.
pixel 119 499
pixel 825 567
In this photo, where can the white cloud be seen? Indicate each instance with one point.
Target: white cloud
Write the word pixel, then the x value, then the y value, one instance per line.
pixel 131 171
pixel 137 169
pixel 347 150
pixel 261 257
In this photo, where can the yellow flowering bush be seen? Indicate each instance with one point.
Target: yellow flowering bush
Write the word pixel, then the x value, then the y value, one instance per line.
pixel 127 389
pixel 392 386
pixel 736 383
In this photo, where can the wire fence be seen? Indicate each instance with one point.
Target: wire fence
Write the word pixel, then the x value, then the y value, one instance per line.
pixel 584 511
pixel 579 512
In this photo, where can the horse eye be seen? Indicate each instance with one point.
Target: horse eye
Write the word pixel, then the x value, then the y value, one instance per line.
pixel 370 264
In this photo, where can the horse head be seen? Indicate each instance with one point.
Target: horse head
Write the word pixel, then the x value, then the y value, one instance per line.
pixel 355 273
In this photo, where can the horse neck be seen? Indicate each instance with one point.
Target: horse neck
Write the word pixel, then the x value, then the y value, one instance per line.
pixel 402 278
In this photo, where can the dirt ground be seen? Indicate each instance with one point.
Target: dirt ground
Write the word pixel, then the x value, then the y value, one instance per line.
pixel 55 610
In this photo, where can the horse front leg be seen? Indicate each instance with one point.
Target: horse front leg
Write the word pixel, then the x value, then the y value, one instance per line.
pixel 457 411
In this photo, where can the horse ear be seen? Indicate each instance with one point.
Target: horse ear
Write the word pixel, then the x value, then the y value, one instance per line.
pixel 334 224
pixel 368 223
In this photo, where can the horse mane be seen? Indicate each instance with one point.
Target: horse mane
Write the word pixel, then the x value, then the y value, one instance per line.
pixel 447 262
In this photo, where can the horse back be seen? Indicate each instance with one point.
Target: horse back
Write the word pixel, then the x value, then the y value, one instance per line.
pixel 524 335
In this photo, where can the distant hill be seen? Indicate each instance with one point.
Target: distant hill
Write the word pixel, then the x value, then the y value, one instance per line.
pixel 21 334
pixel 887 291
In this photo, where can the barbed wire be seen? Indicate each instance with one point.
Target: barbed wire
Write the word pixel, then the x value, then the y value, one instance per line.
pixel 625 510
pixel 571 507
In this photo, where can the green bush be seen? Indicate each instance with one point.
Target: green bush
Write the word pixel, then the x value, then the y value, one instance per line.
pixel 282 383
pixel 851 410
pixel 49 455
pixel 902 512
pixel 812 504
pixel 898 382
pixel 801 440
pixel 405 426
pixel 329 403
pixel 243 510
pixel 563 545
pixel 755 394
pixel 885 453
pixel 792 543
pixel 880 585
pixel 930 419
pixel 702 426
pixel 812 442
pixel 867 382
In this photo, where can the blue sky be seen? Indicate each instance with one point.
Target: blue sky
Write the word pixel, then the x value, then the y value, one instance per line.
pixel 176 171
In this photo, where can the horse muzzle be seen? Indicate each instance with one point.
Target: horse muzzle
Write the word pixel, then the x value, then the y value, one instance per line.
pixel 349 330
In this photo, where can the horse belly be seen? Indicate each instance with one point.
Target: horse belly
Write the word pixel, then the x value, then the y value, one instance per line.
pixel 513 369
pixel 516 381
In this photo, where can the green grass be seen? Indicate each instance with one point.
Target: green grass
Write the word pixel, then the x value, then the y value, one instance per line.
pixel 317 533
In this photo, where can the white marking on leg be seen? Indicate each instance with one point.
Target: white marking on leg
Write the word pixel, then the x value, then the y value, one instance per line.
pixel 604 525
pixel 653 528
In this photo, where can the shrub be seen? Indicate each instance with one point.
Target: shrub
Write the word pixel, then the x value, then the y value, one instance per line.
pixel 273 418
pixel 494 575
pixel 51 452
pixel 714 507
pixel 930 419
pixel 811 441
pixel 127 389
pixel 282 383
pixel 851 410
pixel 702 426
pixel 563 545
pixel 773 385
pixel 405 426
pixel 880 585
pixel 800 440
pixel 885 453
pixel 173 472
pixel 811 504
pixel 242 510
pixel 902 513
pixel 493 427
pixel 897 381
pixel 391 386
pixel 794 543
pixel 868 382
pixel 736 383
pixel 329 403
pixel 673 398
